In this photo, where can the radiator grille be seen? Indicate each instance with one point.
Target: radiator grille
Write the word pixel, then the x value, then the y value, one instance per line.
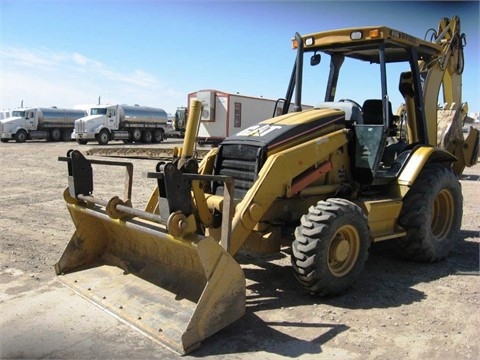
pixel 79 126
pixel 240 161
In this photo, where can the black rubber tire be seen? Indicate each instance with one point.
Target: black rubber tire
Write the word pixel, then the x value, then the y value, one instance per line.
pixel 431 214
pixel 4 140
pixel 82 142
pixel 147 137
pixel 66 134
pixel 136 135
pixel 21 136
pixel 103 137
pixel 158 136
pixel 55 134
pixel 331 246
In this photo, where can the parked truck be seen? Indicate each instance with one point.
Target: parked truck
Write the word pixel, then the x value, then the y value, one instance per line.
pixel 178 123
pixel 136 123
pixel 52 124
pixel 4 114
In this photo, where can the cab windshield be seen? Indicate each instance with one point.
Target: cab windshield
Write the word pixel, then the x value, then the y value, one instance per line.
pixel 98 111
pixel 18 113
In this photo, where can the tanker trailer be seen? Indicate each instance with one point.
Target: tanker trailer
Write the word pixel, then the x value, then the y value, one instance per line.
pixel 136 123
pixel 52 124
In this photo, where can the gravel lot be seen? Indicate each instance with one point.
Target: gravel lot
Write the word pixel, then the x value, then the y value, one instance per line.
pixel 397 310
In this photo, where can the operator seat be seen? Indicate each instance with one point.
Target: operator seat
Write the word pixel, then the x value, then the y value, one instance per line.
pixel 373 115
pixel 373 112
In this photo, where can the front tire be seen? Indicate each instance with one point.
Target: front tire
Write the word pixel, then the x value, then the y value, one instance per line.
pixel 331 246
pixel 103 137
pixel 21 136
pixel 431 214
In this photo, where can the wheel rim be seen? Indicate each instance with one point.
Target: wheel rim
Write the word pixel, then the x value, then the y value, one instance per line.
pixel 343 251
pixel 21 136
pixel 442 215
pixel 56 134
pixel 137 135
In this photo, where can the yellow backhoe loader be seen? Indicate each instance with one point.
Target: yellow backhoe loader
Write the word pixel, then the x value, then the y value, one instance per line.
pixel 327 182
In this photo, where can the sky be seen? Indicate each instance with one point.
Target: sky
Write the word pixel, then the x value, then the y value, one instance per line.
pixel 67 53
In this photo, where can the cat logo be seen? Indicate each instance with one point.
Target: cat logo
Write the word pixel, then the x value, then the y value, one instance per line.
pixel 258 130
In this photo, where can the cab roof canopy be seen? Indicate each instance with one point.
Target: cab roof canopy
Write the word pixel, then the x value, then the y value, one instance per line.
pixel 362 43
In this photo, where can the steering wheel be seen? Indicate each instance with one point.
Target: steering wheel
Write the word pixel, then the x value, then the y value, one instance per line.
pixel 352 101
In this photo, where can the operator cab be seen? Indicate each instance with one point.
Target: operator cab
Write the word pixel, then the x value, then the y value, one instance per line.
pixel 364 55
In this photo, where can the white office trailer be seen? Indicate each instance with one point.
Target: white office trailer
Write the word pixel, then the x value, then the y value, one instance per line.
pixel 225 114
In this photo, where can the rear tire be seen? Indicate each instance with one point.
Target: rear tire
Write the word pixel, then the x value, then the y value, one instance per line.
pixel 55 134
pixel 431 214
pixel 82 142
pixel 157 136
pixel 66 135
pixel 136 135
pixel 331 246
pixel 147 137
pixel 21 136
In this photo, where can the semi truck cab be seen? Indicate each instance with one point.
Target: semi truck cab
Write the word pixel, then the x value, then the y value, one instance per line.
pixel 88 127
pixel 10 125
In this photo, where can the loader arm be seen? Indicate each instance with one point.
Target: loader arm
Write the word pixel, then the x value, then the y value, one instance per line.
pixel 275 181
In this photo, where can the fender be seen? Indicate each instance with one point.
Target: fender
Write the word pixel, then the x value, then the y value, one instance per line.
pixel 18 128
pixel 97 130
pixel 417 161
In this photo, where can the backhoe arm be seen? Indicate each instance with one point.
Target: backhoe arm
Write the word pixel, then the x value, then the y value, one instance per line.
pixel 445 71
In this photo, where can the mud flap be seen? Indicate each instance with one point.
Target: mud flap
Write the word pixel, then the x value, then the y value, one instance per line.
pixel 177 292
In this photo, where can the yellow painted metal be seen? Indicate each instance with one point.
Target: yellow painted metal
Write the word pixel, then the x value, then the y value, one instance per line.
pixel 194 113
pixel 274 179
pixel 171 289
pixel 382 218
pixel 343 36
pixel 419 158
pixel 343 250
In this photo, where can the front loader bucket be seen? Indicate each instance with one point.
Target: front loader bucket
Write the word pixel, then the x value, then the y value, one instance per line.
pixel 175 291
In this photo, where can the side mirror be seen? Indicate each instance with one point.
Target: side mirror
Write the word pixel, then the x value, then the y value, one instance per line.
pixel 315 59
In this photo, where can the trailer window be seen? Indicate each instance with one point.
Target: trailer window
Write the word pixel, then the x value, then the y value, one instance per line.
pixel 237 120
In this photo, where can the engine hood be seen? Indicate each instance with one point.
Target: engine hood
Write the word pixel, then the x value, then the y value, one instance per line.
pixel 11 120
pixel 10 123
pixel 89 118
pixel 290 128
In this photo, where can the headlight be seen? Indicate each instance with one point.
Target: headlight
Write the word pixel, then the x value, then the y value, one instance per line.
pixel 355 35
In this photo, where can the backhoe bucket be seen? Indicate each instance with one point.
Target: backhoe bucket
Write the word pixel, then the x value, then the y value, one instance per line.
pixel 175 291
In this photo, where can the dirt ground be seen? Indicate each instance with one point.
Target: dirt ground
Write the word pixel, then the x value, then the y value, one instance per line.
pixel 397 310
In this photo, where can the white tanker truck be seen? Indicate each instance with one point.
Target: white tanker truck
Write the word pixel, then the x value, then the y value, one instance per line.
pixel 121 122
pixel 52 124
